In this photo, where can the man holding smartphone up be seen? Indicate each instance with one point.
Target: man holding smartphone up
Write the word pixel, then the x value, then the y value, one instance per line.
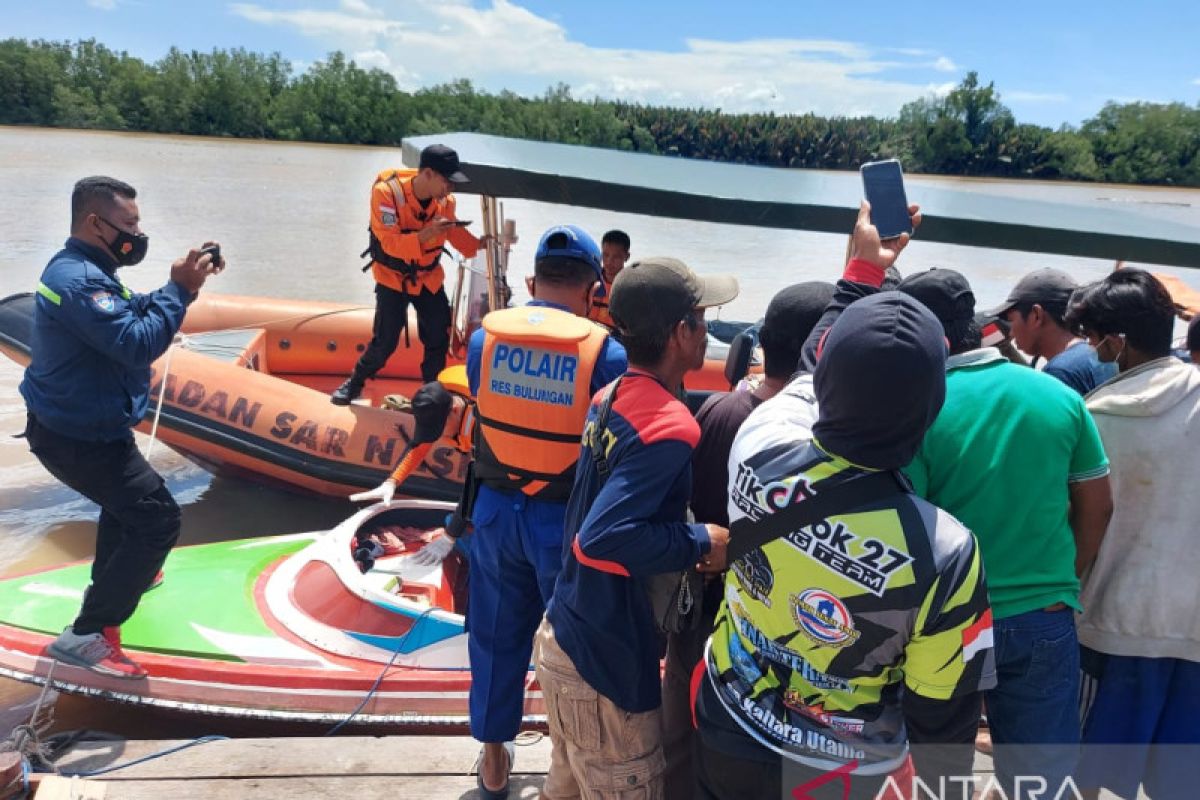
pixel 87 385
pixel 412 218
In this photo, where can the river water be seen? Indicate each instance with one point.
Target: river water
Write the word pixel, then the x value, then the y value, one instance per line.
pixel 291 220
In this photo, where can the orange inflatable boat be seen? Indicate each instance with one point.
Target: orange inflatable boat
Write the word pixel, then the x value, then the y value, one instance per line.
pixel 245 392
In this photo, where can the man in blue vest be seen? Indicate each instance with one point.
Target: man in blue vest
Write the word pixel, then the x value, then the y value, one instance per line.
pixel 87 385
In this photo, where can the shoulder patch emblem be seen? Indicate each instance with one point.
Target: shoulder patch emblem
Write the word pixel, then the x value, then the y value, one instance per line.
pixel 389 219
pixel 104 301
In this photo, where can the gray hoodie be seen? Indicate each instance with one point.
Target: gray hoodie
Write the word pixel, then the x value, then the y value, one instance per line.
pixel 1142 596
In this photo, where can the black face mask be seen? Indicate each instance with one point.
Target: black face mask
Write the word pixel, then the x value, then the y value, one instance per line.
pixel 127 248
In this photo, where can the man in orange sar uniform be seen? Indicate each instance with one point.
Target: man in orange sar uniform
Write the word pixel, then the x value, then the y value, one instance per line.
pixel 412 218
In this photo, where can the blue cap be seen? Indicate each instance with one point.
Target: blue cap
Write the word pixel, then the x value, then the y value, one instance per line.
pixel 578 245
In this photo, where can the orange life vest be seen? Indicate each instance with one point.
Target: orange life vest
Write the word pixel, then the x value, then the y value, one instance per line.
pixel 398 259
pixel 533 398
pixel 599 312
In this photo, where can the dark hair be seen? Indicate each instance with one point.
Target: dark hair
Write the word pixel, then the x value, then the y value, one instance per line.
pixel 645 348
pixel 1130 302
pixel 781 353
pixel 96 194
pixel 616 237
pixel 1055 312
pixel 1193 334
pixel 963 335
pixel 562 271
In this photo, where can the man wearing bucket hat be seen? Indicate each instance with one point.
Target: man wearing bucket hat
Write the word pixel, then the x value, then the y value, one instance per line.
pixel 412 219
pixel 597 651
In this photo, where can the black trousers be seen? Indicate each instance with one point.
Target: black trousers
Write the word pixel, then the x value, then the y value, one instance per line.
pixel 391 317
pixel 730 765
pixel 139 520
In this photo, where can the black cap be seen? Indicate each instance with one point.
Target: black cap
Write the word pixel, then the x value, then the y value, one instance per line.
pixel 1049 288
pixel 443 161
pixel 430 409
pixel 943 291
pixel 653 294
pixel 794 311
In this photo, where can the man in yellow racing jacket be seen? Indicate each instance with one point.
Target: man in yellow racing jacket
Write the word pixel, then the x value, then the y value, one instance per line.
pixel 841 642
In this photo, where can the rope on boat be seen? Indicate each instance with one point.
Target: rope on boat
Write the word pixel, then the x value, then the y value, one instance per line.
pixel 181 340
pixel 386 667
pixel 150 757
pixel 304 317
pixel 26 740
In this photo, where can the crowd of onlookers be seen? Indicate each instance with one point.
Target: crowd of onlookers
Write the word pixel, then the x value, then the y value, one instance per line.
pixel 1030 562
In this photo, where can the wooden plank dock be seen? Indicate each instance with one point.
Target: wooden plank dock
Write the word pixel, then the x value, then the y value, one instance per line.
pixel 362 767
pixel 365 768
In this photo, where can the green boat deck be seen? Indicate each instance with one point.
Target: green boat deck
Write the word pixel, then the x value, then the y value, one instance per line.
pixel 209 586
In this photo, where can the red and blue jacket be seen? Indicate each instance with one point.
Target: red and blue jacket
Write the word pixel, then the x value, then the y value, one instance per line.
pixel 619 532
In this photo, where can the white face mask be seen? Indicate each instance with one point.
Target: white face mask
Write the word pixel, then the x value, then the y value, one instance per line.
pixel 1115 359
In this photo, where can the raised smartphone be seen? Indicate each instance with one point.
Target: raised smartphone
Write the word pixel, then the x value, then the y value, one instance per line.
pixel 883 185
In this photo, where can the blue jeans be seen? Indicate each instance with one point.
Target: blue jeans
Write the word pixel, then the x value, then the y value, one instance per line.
pixel 1033 712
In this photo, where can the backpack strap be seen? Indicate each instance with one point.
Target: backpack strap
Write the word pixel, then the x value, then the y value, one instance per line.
pixel 599 456
pixel 747 535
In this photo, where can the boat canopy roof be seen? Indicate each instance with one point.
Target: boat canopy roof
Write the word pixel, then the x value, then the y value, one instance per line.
pixel 803 199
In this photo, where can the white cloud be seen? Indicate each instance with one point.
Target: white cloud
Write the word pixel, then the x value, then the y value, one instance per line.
pixel 1019 96
pixel 368 59
pixel 360 7
pixel 1196 82
pixel 103 5
pixel 502 45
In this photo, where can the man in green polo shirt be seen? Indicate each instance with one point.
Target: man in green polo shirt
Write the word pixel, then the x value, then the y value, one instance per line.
pixel 1014 454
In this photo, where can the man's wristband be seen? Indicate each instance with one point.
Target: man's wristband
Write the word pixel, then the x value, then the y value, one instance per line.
pixel 859 270
pixel 456 524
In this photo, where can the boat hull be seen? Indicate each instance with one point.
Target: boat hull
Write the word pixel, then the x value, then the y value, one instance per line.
pixel 239 629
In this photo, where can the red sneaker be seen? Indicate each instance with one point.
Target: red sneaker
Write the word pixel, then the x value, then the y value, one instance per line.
pixel 99 652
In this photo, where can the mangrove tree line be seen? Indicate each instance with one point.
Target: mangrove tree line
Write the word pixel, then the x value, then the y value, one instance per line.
pixel 239 93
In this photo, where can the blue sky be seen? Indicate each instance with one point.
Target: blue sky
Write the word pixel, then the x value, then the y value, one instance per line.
pixel 1053 62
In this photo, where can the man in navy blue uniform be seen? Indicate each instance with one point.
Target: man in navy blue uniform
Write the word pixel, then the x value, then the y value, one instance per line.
pixel 533 371
pixel 87 386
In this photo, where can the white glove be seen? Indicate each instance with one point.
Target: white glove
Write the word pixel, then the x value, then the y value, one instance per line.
pixel 435 552
pixel 381 493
